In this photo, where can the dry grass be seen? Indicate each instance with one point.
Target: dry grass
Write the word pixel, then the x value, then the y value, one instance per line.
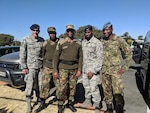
pixel 13 101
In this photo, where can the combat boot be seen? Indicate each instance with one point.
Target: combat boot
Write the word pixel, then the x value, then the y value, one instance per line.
pixel 42 106
pixel 28 100
pixel 86 103
pixel 109 108
pixel 60 108
pixel 119 103
pixel 70 105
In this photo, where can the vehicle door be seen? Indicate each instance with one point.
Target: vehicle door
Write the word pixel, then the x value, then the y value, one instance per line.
pixel 136 52
pixel 145 62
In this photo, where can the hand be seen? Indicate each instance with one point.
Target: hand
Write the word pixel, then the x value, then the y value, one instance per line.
pixel 90 75
pixel 120 72
pixel 78 74
pixel 25 71
pixel 56 75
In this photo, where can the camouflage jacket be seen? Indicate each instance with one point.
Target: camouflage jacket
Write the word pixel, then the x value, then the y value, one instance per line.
pixel 31 52
pixel 113 50
pixel 92 55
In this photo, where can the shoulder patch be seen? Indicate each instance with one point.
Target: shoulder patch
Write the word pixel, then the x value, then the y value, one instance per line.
pixel 61 41
pixel 77 41
pixel 45 43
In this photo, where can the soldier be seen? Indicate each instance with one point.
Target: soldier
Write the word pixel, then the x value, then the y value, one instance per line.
pixel 113 68
pixel 67 68
pixel 47 73
pixel 92 63
pixel 31 63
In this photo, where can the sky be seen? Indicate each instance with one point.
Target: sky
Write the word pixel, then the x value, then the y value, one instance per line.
pixel 16 16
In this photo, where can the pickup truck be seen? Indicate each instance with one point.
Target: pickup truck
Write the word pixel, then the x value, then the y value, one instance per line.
pixel 142 56
pixel 10 70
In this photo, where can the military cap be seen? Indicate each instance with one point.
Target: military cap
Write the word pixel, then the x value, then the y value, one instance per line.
pixel 108 24
pixel 34 26
pixel 88 27
pixel 70 26
pixel 51 29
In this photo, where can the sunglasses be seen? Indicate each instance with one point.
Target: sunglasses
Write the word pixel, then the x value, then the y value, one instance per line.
pixel 71 30
pixel 52 32
pixel 35 30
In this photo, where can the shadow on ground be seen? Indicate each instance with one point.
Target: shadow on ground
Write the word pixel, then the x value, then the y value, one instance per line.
pixel 4 110
pixel 140 84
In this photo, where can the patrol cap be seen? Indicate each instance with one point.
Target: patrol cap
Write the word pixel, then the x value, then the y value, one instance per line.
pixel 70 26
pixel 34 26
pixel 106 25
pixel 51 29
pixel 88 27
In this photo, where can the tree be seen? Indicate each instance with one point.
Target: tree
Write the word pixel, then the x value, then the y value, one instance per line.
pixel 79 34
pixel 127 38
pixel 126 34
pixel 16 43
pixel 6 39
pixel 140 37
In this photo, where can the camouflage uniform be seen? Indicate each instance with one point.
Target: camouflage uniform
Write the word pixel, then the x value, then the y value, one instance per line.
pixel 47 73
pixel 112 84
pixel 31 59
pixel 31 63
pixel 92 62
pixel 48 50
pixel 67 60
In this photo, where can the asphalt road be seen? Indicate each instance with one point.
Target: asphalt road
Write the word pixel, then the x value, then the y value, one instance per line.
pixel 134 101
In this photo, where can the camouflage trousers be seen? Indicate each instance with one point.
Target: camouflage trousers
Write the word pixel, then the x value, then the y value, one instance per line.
pixel 33 82
pixel 66 85
pixel 91 87
pixel 47 79
pixel 112 84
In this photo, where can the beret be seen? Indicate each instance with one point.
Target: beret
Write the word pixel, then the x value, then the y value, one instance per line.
pixel 88 27
pixel 34 26
pixel 108 24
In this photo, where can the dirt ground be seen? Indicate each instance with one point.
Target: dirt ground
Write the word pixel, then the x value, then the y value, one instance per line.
pixel 13 101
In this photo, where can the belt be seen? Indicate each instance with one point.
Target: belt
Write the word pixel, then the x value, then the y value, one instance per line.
pixel 49 61
pixel 68 62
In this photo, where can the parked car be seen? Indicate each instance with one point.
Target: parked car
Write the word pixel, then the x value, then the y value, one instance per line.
pixel 10 70
pixel 142 56
pixel 8 49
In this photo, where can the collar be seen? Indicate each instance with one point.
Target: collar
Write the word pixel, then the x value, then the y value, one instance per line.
pixel 69 39
pixel 90 39
pixel 114 37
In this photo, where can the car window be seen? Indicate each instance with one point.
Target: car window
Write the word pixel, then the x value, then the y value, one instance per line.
pixel 10 49
pixel 15 49
pixel 2 52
